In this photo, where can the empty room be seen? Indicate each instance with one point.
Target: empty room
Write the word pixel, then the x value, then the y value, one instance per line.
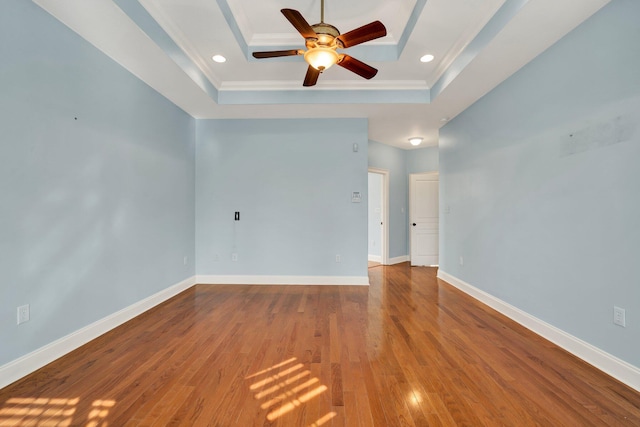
pixel 312 212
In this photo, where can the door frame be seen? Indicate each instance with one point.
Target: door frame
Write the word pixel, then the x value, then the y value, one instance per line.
pixel 385 212
pixel 437 175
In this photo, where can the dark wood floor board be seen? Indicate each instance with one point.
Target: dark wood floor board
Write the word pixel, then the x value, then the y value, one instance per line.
pixel 409 350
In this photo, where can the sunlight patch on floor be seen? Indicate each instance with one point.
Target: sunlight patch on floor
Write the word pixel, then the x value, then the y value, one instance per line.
pixel 44 412
pixel 323 420
pixel 294 386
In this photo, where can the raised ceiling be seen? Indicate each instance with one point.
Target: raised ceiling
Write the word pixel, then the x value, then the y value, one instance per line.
pixel 476 44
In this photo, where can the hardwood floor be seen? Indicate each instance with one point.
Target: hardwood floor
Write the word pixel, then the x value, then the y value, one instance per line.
pixel 408 350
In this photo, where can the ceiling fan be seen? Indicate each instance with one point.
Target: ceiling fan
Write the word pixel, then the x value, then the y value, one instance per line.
pixel 322 41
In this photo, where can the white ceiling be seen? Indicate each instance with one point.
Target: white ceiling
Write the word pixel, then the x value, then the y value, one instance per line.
pixel 476 43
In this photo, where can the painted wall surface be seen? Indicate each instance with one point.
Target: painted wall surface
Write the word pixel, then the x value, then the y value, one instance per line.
pixel 97 183
pixel 393 159
pixel 542 180
pixel 400 164
pixel 422 160
pixel 375 214
pixel 291 181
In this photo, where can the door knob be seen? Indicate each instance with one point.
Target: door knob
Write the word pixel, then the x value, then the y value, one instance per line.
pixel 414 224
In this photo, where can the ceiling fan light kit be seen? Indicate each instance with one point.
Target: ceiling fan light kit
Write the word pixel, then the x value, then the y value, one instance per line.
pixel 323 41
pixel 321 58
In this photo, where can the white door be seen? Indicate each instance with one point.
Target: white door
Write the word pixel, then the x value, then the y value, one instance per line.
pixel 423 217
pixel 375 217
pixel 383 224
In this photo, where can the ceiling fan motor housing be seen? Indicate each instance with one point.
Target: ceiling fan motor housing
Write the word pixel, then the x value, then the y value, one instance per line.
pixel 326 34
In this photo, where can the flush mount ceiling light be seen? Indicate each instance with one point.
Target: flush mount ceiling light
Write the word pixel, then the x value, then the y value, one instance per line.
pixel 322 42
pixel 415 140
pixel 427 58
pixel 219 58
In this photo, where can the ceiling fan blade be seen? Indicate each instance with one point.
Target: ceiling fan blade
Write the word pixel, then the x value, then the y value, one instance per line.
pixel 356 66
pixel 275 53
pixel 312 76
pixel 368 32
pixel 301 24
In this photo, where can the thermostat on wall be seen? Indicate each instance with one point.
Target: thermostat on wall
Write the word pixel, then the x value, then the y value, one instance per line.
pixel 356 197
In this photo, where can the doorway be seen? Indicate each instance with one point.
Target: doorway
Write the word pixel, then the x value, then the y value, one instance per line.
pixel 424 218
pixel 378 217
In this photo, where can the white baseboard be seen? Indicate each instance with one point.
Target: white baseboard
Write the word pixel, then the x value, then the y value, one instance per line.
pixel 399 259
pixel 29 363
pixel 617 368
pixel 282 280
pixel 374 258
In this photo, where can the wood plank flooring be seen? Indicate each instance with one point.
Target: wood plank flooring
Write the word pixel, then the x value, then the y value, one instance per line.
pixel 407 351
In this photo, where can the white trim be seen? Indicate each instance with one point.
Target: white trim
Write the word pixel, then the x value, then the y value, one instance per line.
pixel 398 259
pixel 337 85
pixel 282 280
pixel 33 361
pixel 617 368
pixel 384 259
pixel 374 258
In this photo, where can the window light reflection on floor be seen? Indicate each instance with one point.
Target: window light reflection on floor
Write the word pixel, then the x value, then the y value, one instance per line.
pixel 41 411
pixel 293 385
pixel 325 419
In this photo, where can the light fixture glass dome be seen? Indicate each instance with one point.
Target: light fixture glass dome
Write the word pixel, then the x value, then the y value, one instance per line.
pixel 321 58
pixel 415 140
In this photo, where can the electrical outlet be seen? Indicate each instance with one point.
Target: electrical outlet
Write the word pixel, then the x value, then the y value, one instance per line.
pixel 184 260
pixel 23 314
pixel 337 258
pixel 461 261
pixel 619 316
pixel 234 257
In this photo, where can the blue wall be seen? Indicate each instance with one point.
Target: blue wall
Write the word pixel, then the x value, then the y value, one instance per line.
pixel 393 159
pixel 400 164
pixel 291 181
pixel 96 183
pixel 542 180
pixel 422 160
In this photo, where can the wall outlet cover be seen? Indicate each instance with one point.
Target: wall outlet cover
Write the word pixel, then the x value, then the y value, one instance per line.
pixel 619 316
pixel 23 314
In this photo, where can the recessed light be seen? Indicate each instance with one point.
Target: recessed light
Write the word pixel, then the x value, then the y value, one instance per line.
pixel 427 58
pixel 219 58
pixel 415 140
